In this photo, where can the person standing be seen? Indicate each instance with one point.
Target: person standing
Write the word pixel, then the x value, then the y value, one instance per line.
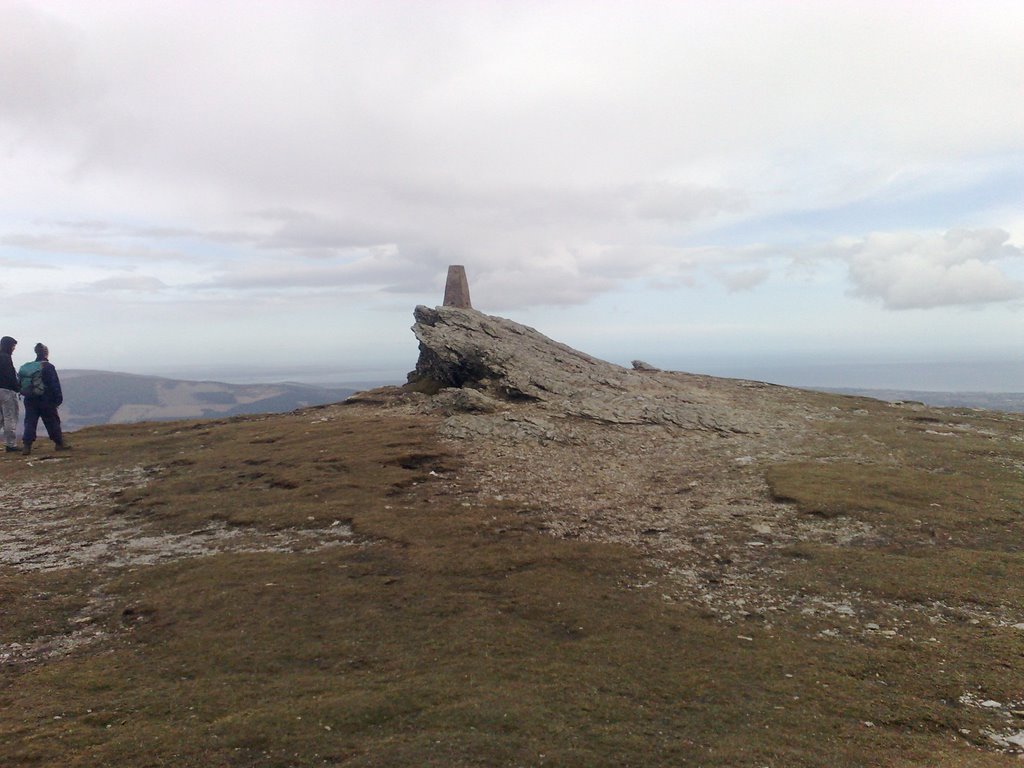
pixel 40 386
pixel 9 388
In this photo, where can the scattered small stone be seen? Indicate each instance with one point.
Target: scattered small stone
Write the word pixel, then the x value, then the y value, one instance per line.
pixel 640 365
pixel 1008 741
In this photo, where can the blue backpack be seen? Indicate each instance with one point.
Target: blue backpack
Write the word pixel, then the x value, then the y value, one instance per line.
pixel 30 375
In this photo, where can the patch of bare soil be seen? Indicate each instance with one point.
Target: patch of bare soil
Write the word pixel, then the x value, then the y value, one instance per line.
pixel 695 500
pixel 69 521
pixel 57 516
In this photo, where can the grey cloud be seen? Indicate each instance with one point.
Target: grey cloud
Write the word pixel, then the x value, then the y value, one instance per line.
pixel 913 271
pixel 296 230
pixel 61 244
pixel 744 279
pixel 8 263
pixel 39 73
pixel 126 283
pixel 383 268
pixel 97 228
pixel 567 206
pixel 684 203
pixel 375 160
pixel 506 289
pixel 530 245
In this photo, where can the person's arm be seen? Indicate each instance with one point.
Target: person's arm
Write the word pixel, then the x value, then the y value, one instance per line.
pixel 52 382
pixel 8 373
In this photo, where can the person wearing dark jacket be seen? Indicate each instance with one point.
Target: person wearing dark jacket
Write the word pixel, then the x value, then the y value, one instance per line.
pixel 41 405
pixel 9 388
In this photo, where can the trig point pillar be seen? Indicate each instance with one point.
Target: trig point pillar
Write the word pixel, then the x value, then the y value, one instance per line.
pixel 456 289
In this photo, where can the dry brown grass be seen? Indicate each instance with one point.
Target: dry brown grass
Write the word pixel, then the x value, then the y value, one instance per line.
pixel 456 633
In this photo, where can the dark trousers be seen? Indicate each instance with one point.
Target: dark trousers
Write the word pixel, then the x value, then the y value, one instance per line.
pixel 36 410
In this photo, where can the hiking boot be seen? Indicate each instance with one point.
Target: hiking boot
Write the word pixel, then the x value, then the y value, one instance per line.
pixel 27 449
pixel 10 449
pixel 62 447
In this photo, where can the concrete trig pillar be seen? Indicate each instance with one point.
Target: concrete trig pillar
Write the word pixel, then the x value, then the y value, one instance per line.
pixel 456 289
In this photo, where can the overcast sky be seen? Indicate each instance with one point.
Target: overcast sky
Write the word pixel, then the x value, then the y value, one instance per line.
pixel 222 186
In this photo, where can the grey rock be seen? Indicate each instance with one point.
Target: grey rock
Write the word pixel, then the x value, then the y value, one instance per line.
pixel 464 401
pixel 500 360
pixel 640 365
pixel 462 347
pixel 506 428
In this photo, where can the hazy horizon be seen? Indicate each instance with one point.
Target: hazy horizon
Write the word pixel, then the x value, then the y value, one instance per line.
pixel 978 376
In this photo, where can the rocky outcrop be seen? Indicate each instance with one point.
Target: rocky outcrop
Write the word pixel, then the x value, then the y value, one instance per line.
pixel 506 361
pixel 463 347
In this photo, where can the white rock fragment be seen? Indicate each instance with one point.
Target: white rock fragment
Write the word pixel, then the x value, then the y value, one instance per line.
pixel 1009 740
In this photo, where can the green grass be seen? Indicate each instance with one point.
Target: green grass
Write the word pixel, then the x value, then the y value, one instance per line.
pixel 460 635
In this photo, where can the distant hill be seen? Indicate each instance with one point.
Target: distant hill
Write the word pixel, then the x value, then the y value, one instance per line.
pixel 103 397
pixel 1008 402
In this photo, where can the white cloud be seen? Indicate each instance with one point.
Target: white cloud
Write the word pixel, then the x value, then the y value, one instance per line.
pixel 346 153
pixel 912 271
pixel 42 82
pixel 744 279
pixel 100 246
pixel 127 283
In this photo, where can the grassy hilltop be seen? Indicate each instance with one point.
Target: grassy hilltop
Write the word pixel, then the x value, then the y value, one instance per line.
pixel 356 585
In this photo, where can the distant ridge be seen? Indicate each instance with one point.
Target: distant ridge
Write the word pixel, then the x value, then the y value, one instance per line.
pixel 105 397
pixel 1008 402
